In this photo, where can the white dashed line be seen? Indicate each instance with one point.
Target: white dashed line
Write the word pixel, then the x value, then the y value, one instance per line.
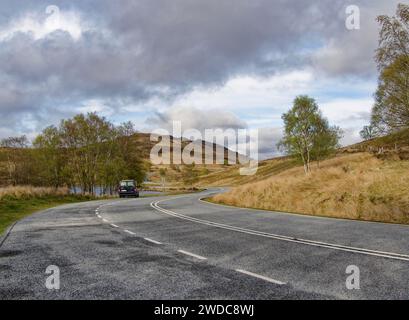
pixel 192 255
pixel 255 275
pixel 99 216
pixel 105 220
pixel 114 225
pixel 153 241
pixel 130 232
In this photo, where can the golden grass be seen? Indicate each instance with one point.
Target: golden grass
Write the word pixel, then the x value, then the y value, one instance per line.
pixel 357 186
pixel 20 192
pixel 230 176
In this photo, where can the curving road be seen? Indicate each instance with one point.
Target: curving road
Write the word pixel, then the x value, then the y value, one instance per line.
pixel 184 248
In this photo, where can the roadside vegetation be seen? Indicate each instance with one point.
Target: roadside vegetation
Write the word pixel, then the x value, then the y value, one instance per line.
pixel 82 153
pixel 391 110
pixel 19 202
pixel 352 186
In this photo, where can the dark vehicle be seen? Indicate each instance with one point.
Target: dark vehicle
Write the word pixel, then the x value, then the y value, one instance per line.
pixel 127 188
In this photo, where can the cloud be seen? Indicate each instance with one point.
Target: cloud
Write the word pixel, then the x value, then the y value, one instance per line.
pixel 348 112
pixel 40 25
pixel 351 52
pixel 127 54
pixel 194 118
pixel 267 142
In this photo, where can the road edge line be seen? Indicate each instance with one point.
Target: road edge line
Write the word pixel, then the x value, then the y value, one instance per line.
pixel 192 255
pixel 258 276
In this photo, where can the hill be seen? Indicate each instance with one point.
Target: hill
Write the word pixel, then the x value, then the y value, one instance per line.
pixel 144 146
pixel 230 176
pixel 367 181
pixel 173 179
pixel 394 146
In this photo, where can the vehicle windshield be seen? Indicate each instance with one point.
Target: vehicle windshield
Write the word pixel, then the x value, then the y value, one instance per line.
pixel 127 184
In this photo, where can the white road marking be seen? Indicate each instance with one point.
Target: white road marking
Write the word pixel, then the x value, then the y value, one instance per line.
pixel 99 216
pixel 261 277
pixel 153 241
pixel 202 199
pixel 105 220
pixel 192 255
pixel 383 254
pixel 130 232
pixel 114 225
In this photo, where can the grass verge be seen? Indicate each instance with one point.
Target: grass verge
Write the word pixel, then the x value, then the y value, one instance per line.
pixel 13 209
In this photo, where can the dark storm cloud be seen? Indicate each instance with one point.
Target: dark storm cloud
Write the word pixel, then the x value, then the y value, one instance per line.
pixel 201 42
pixel 136 50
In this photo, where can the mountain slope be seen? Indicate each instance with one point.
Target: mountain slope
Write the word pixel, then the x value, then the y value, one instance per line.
pixel 370 185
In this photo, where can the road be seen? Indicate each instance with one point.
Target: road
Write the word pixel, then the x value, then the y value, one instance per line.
pixel 181 247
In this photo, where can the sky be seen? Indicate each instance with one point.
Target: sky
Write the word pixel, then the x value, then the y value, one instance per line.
pixel 209 64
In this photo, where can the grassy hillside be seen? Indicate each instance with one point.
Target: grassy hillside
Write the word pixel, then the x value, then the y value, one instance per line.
pixel 356 186
pixel 365 181
pixel 230 176
pixel 174 171
pixel 393 147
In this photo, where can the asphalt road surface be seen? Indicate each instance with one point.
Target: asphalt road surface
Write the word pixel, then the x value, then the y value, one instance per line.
pixel 183 248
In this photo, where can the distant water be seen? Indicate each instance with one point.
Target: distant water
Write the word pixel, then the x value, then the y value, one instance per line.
pixel 99 191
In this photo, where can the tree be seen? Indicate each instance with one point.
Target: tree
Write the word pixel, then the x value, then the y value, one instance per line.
pixel 100 153
pixel 18 158
pixel 326 139
pixel 86 138
pixel 50 157
pixel 86 151
pixel 299 129
pixel 368 132
pixel 393 37
pixel 306 133
pixel 135 167
pixel 391 109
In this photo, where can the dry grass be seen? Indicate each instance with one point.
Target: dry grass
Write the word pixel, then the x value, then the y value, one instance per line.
pixel 230 176
pixel 357 186
pixel 24 192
